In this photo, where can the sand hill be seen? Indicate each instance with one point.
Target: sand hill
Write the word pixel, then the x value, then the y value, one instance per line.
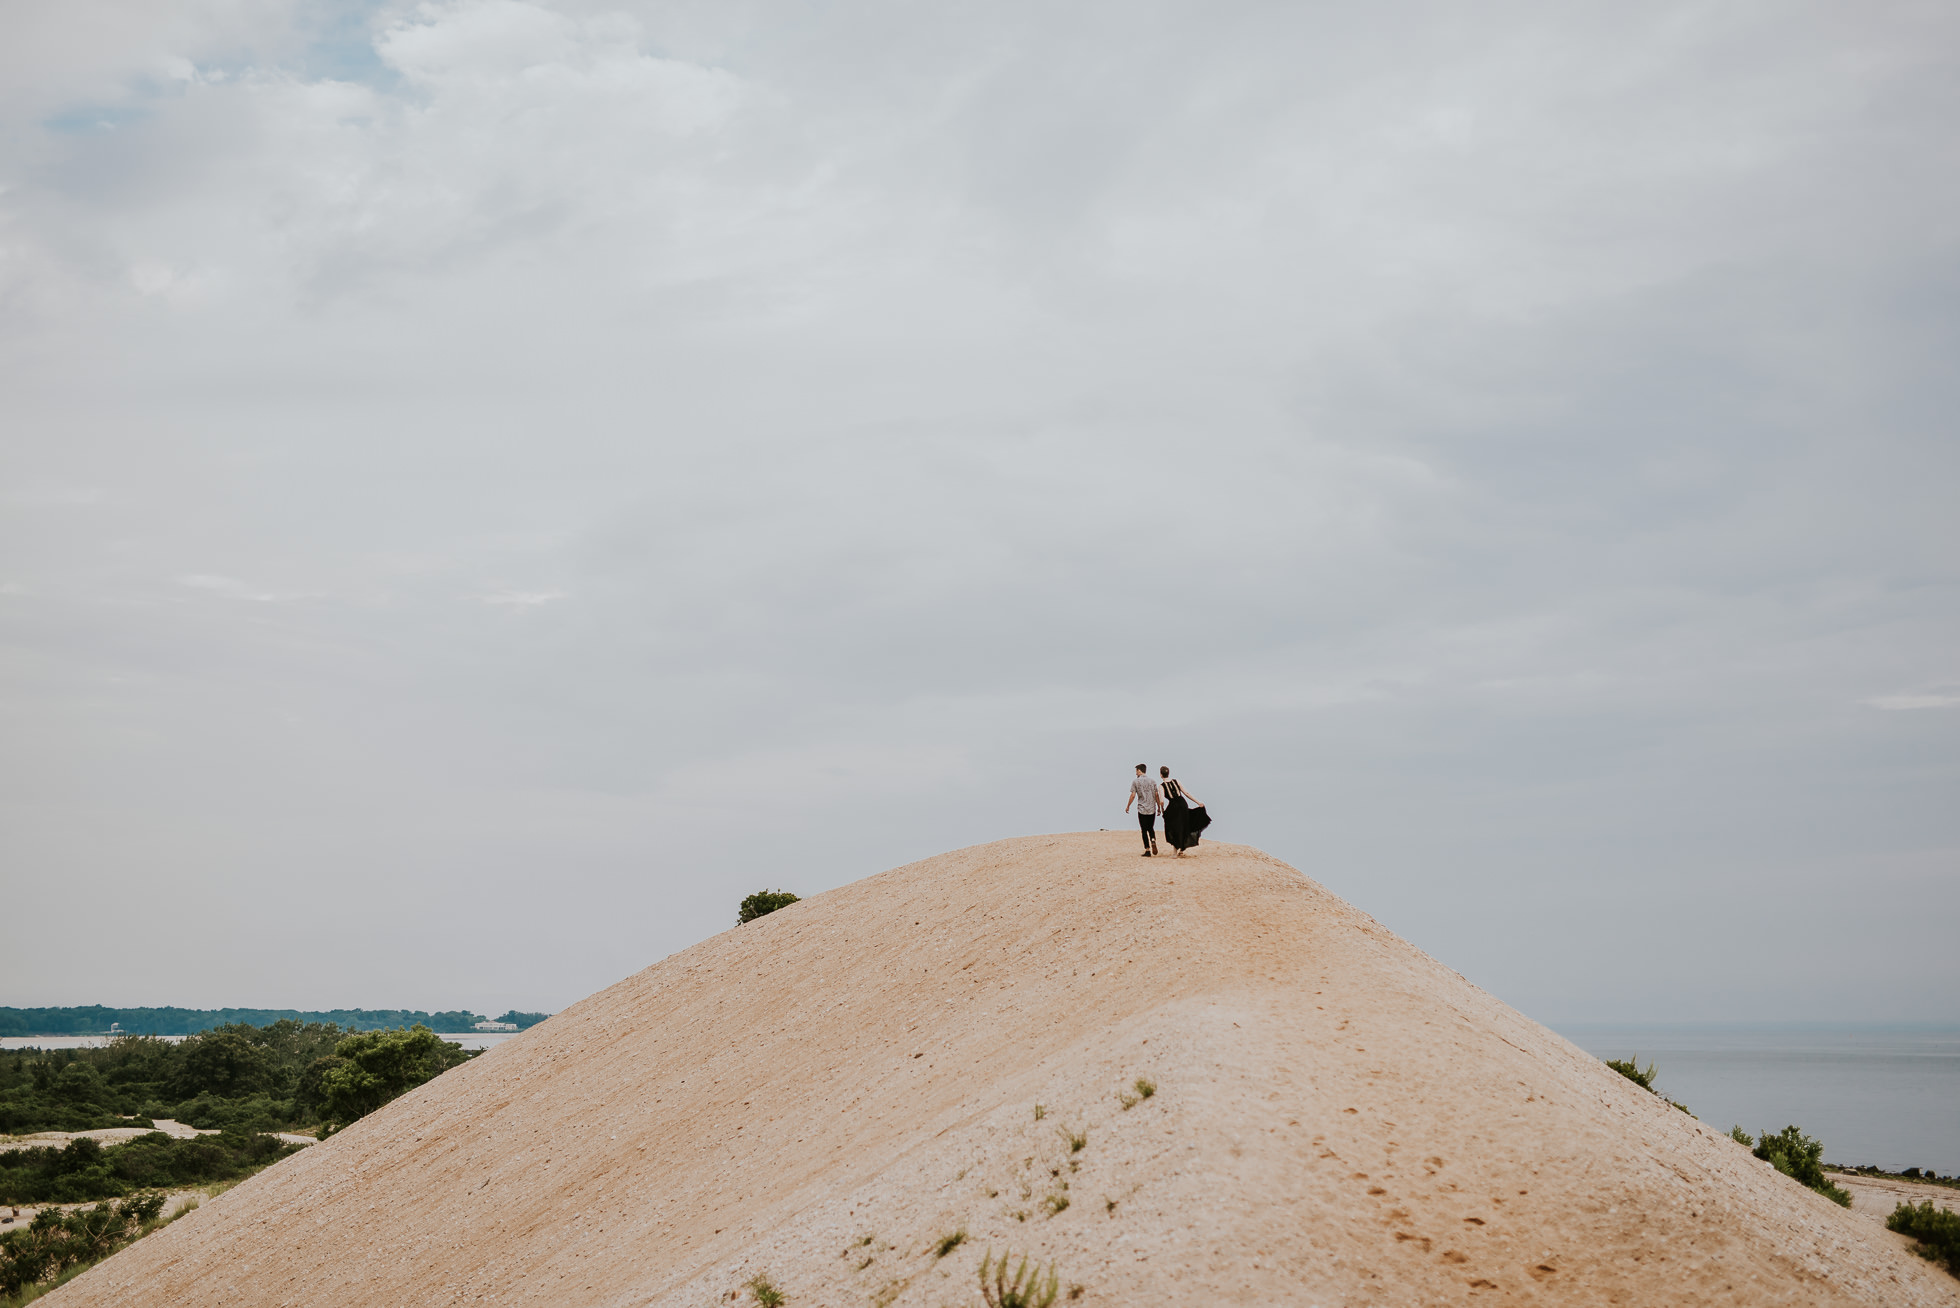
pixel 822 1096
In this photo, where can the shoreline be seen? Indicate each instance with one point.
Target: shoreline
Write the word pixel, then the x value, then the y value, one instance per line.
pixel 1875 1198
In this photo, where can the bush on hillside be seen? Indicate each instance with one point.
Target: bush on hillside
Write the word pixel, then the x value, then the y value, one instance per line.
pixel 1936 1229
pixel 258 1113
pixel 375 1067
pixel 1630 1069
pixel 224 1064
pixel 1800 1158
pixel 82 1171
pixel 58 1242
pixel 761 903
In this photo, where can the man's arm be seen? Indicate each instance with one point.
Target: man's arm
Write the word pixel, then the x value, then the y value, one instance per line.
pixel 1131 800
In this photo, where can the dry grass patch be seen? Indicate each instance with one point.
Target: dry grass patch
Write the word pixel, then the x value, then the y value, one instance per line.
pixel 1026 1287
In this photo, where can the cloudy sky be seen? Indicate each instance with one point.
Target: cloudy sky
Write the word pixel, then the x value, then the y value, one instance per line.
pixel 485 485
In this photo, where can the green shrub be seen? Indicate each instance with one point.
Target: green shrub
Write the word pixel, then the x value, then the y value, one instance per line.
pixel 1936 1229
pixel 59 1243
pixel 761 903
pixel 948 1243
pixel 1742 1137
pixel 253 1113
pixel 1024 1289
pixel 224 1063
pixel 375 1067
pixel 1630 1069
pixel 83 1171
pixel 766 1294
pixel 1800 1158
pixel 235 1076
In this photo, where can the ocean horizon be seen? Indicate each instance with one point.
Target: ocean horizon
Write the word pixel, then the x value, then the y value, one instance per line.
pixel 1880 1094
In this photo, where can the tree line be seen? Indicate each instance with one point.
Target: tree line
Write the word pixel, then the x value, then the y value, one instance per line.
pixel 94 1019
pixel 284 1076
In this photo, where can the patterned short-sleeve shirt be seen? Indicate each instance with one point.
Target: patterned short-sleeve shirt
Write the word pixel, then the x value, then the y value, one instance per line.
pixel 1148 800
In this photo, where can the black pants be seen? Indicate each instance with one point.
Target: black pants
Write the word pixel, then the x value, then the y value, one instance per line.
pixel 1148 822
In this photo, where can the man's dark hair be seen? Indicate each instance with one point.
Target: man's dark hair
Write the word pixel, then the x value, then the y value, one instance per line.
pixel 1143 767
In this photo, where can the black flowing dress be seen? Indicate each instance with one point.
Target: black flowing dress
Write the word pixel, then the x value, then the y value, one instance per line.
pixel 1183 820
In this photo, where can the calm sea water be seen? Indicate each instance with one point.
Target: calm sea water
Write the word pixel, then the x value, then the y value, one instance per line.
pixel 1889 1096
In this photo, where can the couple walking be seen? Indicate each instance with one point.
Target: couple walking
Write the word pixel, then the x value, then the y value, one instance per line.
pixel 1184 816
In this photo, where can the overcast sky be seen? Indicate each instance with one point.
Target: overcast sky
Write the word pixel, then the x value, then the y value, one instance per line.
pixel 485 485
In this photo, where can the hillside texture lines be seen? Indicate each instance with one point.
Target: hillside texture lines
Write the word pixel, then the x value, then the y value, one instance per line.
pixel 826 1096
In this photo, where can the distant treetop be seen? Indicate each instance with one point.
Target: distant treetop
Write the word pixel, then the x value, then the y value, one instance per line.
pixel 521 1020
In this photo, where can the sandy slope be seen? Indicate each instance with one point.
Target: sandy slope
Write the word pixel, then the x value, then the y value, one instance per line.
pixel 1875 1197
pixel 1339 1120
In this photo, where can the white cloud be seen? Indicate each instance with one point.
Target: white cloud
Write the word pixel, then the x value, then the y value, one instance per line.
pixel 230 588
pixel 1447 434
pixel 54 496
pixel 1899 703
pixel 524 598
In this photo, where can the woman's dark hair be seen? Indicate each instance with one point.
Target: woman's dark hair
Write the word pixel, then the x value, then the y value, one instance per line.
pixel 1163 772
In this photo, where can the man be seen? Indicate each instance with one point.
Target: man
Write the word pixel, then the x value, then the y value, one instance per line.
pixel 1144 794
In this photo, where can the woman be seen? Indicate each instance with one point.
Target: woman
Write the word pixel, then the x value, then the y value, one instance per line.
pixel 1184 815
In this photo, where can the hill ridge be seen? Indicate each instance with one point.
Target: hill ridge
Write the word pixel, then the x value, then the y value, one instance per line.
pixel 823 1096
